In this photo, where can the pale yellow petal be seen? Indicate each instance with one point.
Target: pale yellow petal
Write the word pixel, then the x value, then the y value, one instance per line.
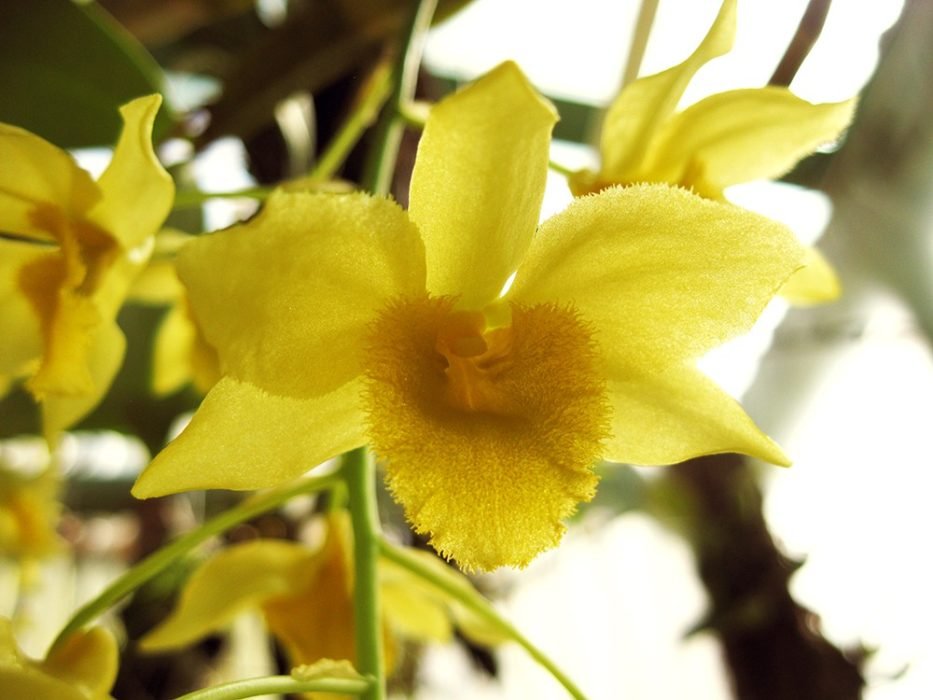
pixel 243 437
pixel 84 667
pixel 661 274
pixel 19 322
pixel 107 346
pixel 158 283
pixel 743 135
pixel 642 107
pixel 478 183
pixel 233 580
pixel 137 192
pixel 815 283
pixel 87 660
pixel 286 298
pixel 314 620
pixel 425 611
pixel 678 413
pixel 413 615
pixel 171 368
pixel 37 178
pixel 410 605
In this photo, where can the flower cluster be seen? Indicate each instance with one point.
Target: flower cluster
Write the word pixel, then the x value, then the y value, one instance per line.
pixel 60 298
pixel 487 403
pixel 489 361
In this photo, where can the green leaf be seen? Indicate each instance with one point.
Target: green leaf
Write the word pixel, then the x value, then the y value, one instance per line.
pixel 66 68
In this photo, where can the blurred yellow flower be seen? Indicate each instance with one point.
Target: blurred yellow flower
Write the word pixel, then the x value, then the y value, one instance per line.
pixel 305 595
pixel 725 139
pixel 84 667
pixel 342 320
pixel 29 513
pixel 181 354
pixel 76 245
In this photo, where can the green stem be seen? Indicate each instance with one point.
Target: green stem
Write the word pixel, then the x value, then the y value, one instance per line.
pixel 360 477
pixel 194 198
pixel 480 607
pixel 380 165
pixel 636 52
pixel 372 97
pixel 414 114
pixel 562 169
pixel 162 558
pixel 271 685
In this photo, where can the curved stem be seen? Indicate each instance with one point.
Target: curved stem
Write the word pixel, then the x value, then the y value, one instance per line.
pixel 480 607
pixel 360 477
pixel 562 169
pixel 269 685
pixel 162 558
pixel 372 96
pixel 380 165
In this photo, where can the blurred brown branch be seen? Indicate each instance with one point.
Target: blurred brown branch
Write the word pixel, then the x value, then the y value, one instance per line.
pixel 808 31
pixel 773 646
pixel 883 199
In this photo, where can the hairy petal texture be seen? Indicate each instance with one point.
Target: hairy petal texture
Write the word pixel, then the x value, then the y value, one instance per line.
pixel 286 298
pixel 243 437
pixel 661 274
pixel 634 117
pixel 36 174
pixel 740 136
pixel 677 413
pixel 137 192
pixel 478 183
pixel 485 457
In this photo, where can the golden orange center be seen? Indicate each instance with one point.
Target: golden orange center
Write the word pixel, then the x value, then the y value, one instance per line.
pixel 478 420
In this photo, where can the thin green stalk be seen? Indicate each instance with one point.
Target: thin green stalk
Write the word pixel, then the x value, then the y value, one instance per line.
pixel 372 97
pixel 271 685
pixel 562 169
pixel 162 558
pixel 194 198
pixel 380 165
pixel 480 607
pixel 639 43
pixel 360 477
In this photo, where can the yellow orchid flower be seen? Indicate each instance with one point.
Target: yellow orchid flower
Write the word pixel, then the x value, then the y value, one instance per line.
pixel 305 596
pixel 29 513
pixel 181 354
pixel 84 667
pixel 725 139
pixel 76 246
pixel 342 320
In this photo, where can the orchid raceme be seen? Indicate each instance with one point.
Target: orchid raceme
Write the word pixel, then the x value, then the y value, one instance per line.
pixel 725 139
pixel 342 320
pixel 84 667
pixel 305 597
pixel 75 247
